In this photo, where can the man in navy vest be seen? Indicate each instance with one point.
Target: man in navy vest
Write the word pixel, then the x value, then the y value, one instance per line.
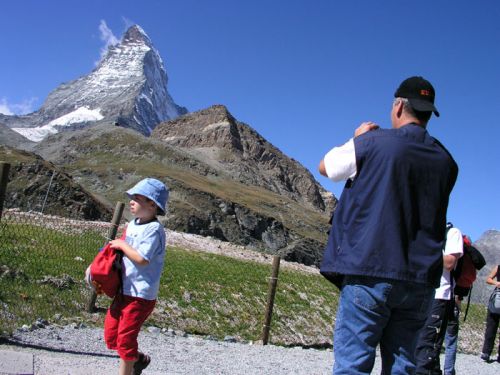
pixel 384 250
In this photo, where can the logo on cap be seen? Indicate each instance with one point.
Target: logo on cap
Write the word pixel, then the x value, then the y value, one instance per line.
pixel 425 92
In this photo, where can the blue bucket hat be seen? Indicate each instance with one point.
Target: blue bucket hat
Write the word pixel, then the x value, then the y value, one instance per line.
pixel 152 189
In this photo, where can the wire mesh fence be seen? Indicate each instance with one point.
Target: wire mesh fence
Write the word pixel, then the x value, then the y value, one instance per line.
pixel 42 260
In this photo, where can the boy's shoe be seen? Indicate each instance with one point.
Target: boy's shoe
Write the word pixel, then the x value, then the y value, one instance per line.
pixel 141 363
pixel 485 357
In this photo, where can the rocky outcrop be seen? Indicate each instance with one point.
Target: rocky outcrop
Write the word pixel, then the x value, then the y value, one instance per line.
pixel 9 137
pixel 211 216
pixel 214 136
pixel 205 198
pixel 37 185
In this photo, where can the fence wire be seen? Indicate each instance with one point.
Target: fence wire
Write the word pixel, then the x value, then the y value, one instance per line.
pixel 42 260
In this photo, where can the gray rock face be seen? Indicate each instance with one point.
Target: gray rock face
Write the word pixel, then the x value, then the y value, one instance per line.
pixel 9 137
pixel 35 184
pixel 489 245
pixel 215 137
pixel 129 87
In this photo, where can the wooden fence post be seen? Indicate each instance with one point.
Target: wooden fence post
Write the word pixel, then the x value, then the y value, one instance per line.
pixel 273 282
pixel 4 179
pixel 117 216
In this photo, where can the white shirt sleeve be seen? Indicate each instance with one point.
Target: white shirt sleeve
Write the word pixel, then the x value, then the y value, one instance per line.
pixel 454 242
pixel 340 162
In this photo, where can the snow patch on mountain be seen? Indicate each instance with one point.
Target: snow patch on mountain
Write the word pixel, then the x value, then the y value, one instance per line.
pixel 80 115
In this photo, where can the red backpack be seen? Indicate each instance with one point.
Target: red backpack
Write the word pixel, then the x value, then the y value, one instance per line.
pixel 106 270
pixel 467 266
pixel 465 271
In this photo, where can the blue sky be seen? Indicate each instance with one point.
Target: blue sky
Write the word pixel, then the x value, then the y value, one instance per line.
pixel 304 74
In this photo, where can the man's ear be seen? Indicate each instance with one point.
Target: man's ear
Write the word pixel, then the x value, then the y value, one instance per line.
pixel 399 109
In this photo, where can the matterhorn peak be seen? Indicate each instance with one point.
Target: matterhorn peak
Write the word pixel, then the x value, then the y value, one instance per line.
pixel 128 88
pixel 135 34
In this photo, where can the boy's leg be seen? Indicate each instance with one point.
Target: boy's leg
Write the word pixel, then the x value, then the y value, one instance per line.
pixel 135 311
pixel 111 324
pixel 126 367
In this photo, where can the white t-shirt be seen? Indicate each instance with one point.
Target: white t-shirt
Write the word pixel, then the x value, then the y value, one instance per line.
pixel 454 245
pixel 340 162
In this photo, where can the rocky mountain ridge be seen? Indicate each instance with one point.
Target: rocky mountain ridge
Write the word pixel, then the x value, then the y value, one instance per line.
pixel 204 200
pixel 215 137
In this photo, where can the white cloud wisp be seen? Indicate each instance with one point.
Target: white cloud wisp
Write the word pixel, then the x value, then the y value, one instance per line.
pixel 10 109
pixel 107 37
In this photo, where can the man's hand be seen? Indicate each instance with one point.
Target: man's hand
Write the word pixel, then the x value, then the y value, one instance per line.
pixel 365 127
pixel 322 168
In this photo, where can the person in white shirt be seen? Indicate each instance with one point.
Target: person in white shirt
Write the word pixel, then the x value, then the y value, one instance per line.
pixel 432 334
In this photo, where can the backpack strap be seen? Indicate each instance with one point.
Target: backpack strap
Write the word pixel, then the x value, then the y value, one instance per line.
pixel 118 265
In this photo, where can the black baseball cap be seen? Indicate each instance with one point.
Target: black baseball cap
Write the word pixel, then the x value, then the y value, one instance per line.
pixel 419 93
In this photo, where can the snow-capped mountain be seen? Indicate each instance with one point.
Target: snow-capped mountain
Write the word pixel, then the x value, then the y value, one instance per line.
pixel 128 88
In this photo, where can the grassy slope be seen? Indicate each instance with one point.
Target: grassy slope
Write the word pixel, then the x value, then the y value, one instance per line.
pixel 200 293
pixel 130 154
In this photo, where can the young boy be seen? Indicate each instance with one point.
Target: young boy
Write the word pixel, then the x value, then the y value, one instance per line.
pixel 144 253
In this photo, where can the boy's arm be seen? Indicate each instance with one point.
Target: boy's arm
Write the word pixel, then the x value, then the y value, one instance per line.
pixel 129 251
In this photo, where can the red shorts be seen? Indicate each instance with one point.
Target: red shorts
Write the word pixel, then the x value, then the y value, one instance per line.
pixel 123 322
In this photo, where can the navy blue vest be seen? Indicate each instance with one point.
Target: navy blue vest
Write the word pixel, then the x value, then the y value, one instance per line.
pixel 390 221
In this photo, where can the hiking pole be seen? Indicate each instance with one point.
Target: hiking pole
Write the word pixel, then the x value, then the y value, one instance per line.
pixel 115 222
pixel 468 303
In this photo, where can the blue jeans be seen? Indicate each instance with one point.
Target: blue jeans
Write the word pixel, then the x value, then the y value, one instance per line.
pixel 451 342
pixel 375 311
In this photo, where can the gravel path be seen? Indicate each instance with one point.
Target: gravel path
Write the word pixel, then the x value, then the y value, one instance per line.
pixel 66 350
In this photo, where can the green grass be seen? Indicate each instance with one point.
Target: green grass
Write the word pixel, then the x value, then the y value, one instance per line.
pixel 28 255
pixel 216 295
pixel 200 293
